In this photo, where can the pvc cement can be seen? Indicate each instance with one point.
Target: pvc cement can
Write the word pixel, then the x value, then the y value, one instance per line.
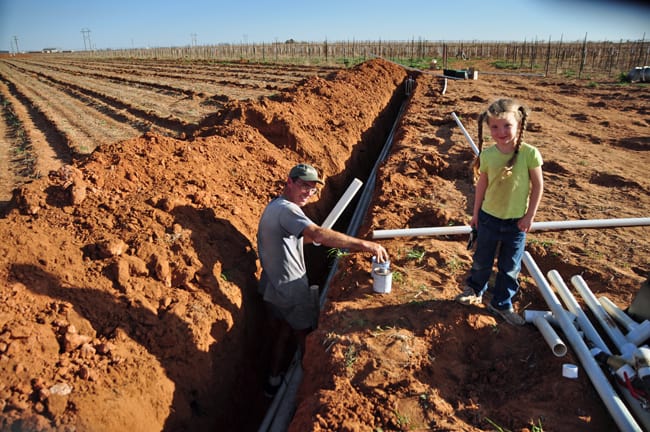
pixel 385 265
pixel 382 280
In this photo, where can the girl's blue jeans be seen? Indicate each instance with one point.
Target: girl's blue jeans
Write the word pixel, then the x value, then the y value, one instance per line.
pixel 493 231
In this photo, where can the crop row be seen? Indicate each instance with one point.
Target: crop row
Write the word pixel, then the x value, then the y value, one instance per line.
pixel 81 104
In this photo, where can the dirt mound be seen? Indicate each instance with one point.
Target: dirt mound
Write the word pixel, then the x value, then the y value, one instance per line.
pixel 131 278
pixel 128 281
pixel 414 359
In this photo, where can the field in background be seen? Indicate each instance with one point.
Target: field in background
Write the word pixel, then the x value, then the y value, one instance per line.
pixel 56 107
pixel 580 59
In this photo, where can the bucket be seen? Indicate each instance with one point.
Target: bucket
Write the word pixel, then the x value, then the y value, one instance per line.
pixel 382 280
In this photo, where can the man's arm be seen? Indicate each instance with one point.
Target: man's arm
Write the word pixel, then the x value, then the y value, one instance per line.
pixel 331 238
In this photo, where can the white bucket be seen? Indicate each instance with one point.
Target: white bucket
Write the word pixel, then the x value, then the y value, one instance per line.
pixel 385 265
pixel 382 280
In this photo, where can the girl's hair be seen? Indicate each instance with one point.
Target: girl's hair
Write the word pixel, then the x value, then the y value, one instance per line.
pixel 498 109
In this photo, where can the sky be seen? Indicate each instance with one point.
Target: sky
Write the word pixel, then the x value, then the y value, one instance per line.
pixel 31 25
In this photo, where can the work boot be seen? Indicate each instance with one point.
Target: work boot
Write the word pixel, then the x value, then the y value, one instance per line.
pixel 469 297
pixel 509 315
pixel 272 385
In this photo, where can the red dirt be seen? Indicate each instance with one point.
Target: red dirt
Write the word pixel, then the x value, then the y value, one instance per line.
pixel 131 276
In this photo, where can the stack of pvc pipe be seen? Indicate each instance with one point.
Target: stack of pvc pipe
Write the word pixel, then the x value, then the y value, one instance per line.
pixel 633 360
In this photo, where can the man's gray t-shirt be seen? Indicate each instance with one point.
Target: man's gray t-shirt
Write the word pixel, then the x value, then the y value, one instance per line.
pixel 280 246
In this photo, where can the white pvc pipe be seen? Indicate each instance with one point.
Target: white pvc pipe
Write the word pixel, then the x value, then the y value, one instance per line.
pixel 573 306
pixel 621 317
pixel 343 202
pixel 336 212
pixel 639 334
pixel 590 223
pixel 536 226
pixel 552 339
pixel 464 229
pixel 636 333
pixel 605 321
pixel 469 138
pixel 531 314
pixel 612 401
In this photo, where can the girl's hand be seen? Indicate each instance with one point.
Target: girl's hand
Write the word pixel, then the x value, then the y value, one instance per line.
pixel 525 223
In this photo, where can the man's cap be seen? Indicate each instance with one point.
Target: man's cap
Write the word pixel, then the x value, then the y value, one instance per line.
pixel 305 172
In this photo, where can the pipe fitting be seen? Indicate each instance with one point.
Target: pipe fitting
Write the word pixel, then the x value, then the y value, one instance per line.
pixel 640 334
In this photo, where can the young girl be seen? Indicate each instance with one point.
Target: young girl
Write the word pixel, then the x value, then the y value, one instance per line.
pixel 508 192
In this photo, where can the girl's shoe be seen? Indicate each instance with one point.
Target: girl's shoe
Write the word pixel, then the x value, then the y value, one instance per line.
pixel 469 297
pixel 509 315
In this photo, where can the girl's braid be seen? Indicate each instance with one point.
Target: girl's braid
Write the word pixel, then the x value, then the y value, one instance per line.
pixel 522 125
pixel 477 162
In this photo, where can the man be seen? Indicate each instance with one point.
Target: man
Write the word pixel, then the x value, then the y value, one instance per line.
pixel 283 230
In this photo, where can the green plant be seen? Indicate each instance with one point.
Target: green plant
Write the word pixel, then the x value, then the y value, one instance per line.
pixel 502 64
pixel 496 426
pixel 398 277
pixel 335 253
pixel 544 243
pixel 350 355
pixel 537 427
pixel 569 73
pixel 415 254
pixel 402 419
pixel 454 265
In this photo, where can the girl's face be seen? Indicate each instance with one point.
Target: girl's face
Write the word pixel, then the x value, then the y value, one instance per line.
pixel 504 129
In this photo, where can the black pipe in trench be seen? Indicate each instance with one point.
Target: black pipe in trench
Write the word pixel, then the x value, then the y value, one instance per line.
pixel 282 408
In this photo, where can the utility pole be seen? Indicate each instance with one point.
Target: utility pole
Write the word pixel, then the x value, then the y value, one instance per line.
pixel 86 35
pixel 193 39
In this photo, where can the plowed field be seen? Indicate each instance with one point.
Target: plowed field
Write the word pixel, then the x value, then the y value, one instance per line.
pixel 128 265
pixel 65 108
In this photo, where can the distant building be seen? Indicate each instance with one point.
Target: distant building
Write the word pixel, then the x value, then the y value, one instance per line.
pixel 50 50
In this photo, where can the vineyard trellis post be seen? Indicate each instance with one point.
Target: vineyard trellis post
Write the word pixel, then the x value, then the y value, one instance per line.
pixel 548 56
pixel 557 57
pixel 583 56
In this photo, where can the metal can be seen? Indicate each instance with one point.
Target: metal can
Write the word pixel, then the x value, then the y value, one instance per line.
pixel 384 266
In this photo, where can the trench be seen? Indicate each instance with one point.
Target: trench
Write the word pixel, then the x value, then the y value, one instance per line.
pixel 321 265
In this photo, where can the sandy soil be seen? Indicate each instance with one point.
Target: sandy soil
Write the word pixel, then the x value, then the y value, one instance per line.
pixel 127 281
